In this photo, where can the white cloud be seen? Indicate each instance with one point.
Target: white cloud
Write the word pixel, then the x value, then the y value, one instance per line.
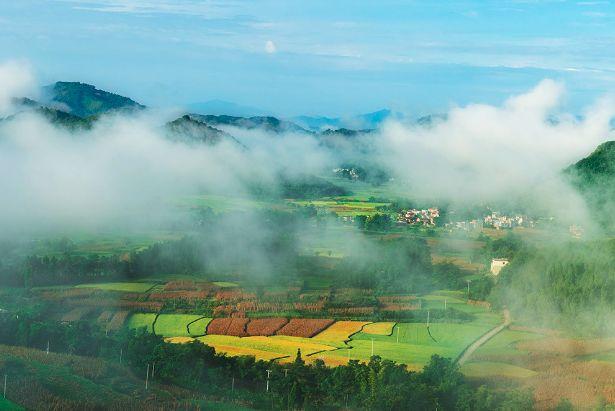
pixel 270 47
pixel 16 80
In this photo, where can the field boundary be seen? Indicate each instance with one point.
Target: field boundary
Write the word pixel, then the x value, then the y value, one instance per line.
pixel 356 332
pixel 346 346
pixel 154 323
pixel 192 322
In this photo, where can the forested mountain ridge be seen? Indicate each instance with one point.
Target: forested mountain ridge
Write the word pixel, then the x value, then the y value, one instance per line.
pixel 86 100
pixel 600 164
pixel 594 177
pixel 267 123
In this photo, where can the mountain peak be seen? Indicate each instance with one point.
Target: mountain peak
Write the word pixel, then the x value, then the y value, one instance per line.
pixel 84 100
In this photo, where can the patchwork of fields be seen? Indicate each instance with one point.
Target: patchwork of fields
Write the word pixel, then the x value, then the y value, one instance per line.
pixel 238 322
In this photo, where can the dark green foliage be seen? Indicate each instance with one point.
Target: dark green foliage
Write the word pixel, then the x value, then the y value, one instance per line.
pixel 403 265
pixel 505 247
pixel 570 285
pixel 481 288
pixel 61 118
pixel 85 100
pixel 448 275
pixel 309 187
pixel 375 222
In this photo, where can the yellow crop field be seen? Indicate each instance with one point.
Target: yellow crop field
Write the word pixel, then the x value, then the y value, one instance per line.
pixel 381 328
pixel 340 331
pixel 235 351
pixel 277 344
pixel 262 348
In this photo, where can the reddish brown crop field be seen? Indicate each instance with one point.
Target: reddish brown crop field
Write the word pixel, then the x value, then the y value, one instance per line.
pixel 228 326
pixel 301 327
pixel 265 326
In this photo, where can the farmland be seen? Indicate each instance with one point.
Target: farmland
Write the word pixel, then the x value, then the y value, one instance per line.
pixel 280 346
pixel 380 328
pixel 340 331
pixel 176 325
pixel 553 367
pixel 344 207
pixel 259 327
pixel 126 287
pixel 323 306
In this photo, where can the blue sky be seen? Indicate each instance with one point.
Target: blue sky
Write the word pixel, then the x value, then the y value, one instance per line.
pixel 317 57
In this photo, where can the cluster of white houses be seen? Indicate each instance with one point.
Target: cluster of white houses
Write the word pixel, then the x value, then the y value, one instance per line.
pixel 419 217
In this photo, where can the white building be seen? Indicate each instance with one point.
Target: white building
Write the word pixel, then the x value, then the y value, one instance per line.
pixel 497 264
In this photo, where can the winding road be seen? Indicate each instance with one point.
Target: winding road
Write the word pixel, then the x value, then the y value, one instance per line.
pixel 465 356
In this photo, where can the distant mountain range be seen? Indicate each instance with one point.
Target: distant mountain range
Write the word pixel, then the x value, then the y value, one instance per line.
pixel 78 105
pixel 362 121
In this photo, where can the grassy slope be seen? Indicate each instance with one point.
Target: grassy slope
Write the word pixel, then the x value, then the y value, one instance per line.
pixel 37 380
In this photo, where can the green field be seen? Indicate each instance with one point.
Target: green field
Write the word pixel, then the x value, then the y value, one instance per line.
pixel 127 287
pixel 199 327
pixel 140 320
pixel 410 343
pixel 343 206
pixel 225 284
pixel 176 325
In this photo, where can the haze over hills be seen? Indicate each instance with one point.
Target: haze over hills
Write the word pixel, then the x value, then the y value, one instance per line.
pixel 78 105
pixel 594 177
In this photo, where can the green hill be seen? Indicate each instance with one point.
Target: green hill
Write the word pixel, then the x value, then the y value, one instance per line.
pixel 85 100
pixel 594 177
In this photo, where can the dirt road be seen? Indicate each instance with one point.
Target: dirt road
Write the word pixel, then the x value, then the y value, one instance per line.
pixel 465 356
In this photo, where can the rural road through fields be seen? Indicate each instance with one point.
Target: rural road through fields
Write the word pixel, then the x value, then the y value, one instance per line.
pixel 465 356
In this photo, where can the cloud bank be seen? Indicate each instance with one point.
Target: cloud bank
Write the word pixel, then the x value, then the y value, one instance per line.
pixel 125 168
